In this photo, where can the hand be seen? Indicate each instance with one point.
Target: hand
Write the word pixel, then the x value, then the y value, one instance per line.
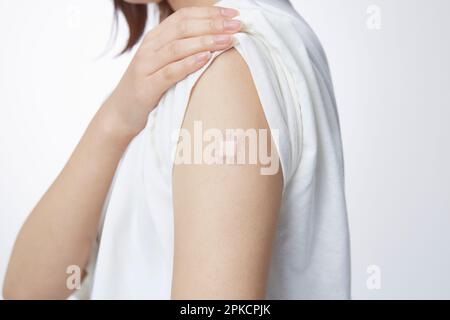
pixel 179 46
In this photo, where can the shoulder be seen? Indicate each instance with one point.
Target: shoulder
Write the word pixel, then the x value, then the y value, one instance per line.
pixel 226 92
pixel 225 104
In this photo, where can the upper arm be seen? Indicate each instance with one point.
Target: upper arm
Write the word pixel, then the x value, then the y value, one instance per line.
pixel 225 215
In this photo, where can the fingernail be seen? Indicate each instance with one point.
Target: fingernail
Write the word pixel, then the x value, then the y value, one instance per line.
pixel 232 25
pixel 203 57
pixel 222 39
pixel 229 13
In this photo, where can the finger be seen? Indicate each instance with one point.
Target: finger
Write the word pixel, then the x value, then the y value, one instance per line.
pixel 191 13
pixel 203 13
pixel 196 28
pixel 177 71
pixel 180 49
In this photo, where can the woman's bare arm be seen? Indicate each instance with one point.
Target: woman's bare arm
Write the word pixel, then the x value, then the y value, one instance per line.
pixel 225 215
pixel 62 227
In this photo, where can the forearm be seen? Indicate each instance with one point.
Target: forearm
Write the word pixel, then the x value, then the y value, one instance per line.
pixel 61 229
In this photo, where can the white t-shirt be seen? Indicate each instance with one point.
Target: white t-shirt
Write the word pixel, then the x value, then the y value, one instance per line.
pixel 134 256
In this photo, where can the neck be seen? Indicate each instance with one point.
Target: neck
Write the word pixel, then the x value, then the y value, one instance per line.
pixel 178 4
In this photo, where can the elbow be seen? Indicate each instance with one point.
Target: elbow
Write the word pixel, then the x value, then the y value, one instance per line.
pixel 6 293
pixel 10 292
pixel 12 286
pixel 21 293
pixel 16 289
pixel 20 287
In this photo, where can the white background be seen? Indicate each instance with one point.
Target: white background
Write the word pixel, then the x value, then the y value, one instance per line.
pixel 393 90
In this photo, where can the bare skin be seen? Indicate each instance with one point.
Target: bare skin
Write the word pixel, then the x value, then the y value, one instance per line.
pixel 224 227
pixel 62 227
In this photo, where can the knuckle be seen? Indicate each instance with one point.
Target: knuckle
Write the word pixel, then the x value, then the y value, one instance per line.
pixel 213 11
pixel 215 24
pixel 174 49
pixel 182 28
pixel 184 13
pixel 206 42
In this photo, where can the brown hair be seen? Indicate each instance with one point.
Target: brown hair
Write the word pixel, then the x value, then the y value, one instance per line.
pixel 136 17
